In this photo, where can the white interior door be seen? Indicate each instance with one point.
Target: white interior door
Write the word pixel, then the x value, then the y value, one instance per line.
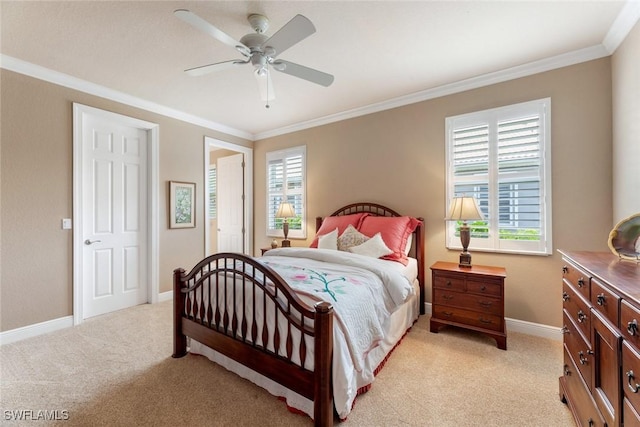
pixel 230 207
pixel 114 215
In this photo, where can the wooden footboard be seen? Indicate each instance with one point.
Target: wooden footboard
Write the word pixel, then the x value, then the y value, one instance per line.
pixel 231 302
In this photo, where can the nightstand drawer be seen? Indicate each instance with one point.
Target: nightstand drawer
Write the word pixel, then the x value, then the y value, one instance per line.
pixel 479 303
pixel 484 287
pixel 468 317
pixel 448 282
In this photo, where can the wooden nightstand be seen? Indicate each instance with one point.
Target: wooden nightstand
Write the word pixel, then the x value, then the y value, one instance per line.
pixel 263 250
pixel 470 298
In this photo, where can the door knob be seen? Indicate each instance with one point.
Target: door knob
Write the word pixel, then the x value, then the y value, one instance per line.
pixel 91 242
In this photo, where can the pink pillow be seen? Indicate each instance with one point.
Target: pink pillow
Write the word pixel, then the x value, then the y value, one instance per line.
pixel 395 232
pixel 330 223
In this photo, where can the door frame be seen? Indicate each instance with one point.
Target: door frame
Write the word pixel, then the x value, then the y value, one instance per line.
pixel 152 262
pixel 210 142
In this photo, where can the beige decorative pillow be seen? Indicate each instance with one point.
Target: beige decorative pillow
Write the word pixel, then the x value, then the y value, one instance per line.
pixel 350 238
pixel 374 247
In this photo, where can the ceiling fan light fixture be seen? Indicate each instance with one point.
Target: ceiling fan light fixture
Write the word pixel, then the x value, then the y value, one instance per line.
pixel 262 71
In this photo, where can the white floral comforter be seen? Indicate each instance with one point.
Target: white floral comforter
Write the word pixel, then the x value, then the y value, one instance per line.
pixel 364 291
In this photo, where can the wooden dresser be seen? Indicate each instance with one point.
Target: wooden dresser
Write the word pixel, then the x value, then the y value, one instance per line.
pixel 601 312
pixel 471 298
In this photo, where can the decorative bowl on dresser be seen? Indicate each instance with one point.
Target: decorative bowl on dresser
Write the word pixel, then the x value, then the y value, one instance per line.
pixel 601 311
pixel 470 298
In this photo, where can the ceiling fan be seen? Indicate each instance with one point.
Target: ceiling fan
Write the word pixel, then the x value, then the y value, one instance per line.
pixel 260 50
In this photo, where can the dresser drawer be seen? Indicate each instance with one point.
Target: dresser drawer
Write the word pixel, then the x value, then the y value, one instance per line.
pixel 578 309
pixel 468 317
pixel 631 374
pixel 579 398
pixel 479 303
pixel 630 322
pixel 578 348
pixel 605 301
pixel 449 282
pixel 578 278
pixel 629 414
pixel 485 287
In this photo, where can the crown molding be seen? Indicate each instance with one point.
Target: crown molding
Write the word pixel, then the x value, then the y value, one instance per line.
pixel 547 64
pixel 36 71
pixel 624 23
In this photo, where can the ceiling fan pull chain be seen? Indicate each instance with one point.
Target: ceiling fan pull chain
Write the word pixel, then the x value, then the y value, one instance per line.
pixel 267 105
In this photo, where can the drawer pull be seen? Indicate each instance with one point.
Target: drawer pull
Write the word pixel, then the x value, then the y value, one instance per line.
pixel 448 284
pixel 581 282
pixel 485 304
pixel 483 288
pixel 581 316
pixel 630 377
pixel 447 313
pixel 487 321
pixel 583 358
pixel 632 327
pixel 447 297
pixel 567 372
pixel 600 299
pixel 564 330
pixel 565 297
pixel 565 269
pixel 591 422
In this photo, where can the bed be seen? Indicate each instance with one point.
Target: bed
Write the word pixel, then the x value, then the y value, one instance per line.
pixel 287 322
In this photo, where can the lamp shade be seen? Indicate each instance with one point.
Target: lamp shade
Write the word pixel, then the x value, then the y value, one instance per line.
pixel 285 211
pixel 464 209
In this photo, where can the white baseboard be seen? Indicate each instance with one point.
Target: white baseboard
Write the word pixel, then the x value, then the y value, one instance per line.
pixel 165 296
pixel 523 327
pixel 30 331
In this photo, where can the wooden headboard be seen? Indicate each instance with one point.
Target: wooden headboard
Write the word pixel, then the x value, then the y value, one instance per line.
pixel 417 245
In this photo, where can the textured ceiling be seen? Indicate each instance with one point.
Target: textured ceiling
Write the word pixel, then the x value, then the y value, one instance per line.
pixel 377 51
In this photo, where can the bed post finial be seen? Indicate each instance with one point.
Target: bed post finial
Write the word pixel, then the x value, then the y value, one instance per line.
pixel 179 339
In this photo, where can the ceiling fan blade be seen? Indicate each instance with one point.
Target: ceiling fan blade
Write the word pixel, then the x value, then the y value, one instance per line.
pixel 294 31
pixel 202 25
pixel 219 66
pixel 265 85
pixel 300 71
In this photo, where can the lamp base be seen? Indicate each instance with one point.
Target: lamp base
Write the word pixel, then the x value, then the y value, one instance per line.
pixel 286 243
pixel 465 260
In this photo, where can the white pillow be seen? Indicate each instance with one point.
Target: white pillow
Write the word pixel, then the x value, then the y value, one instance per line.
pixel 329 240
pixel 374 247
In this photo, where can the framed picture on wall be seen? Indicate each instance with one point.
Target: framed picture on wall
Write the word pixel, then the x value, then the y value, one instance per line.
pixel 182 204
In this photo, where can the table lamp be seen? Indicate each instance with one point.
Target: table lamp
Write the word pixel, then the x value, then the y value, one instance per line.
pixel 464 209
pixel 285 211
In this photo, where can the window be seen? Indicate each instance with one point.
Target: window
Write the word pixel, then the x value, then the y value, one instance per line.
pixel 286 182
pixel 502 157
pixel 213 188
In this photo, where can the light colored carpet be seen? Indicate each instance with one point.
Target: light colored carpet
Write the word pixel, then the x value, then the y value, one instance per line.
pixel 117 370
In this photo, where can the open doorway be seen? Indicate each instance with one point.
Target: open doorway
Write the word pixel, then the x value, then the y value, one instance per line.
pixel 228 197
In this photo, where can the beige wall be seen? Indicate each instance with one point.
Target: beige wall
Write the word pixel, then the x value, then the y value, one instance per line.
pixel 625 70
pixel 36 189
pixel 397 158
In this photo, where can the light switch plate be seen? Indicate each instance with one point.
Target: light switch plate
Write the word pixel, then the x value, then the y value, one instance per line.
pixel 66 223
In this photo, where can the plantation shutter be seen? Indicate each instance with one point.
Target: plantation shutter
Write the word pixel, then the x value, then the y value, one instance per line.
pixel 213 189
pixel 501 157
pixel 286 182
